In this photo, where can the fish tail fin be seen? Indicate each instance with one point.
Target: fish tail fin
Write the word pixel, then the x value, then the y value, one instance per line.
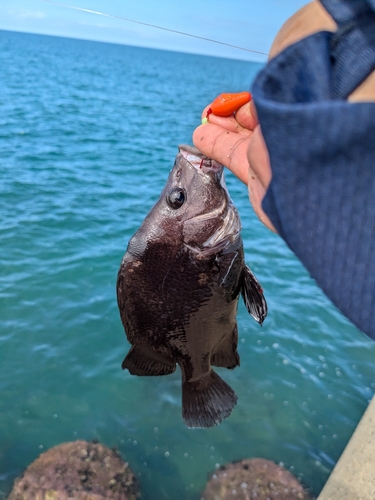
pixel 207 402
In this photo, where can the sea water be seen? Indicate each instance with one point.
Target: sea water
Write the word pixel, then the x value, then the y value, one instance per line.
pixel 88 134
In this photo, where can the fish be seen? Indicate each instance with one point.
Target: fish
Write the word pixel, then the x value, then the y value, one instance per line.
pixel 179 284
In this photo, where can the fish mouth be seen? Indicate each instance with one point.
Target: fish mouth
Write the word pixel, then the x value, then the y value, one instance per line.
pixel 230 228
pixel 203 165
pixel 200 162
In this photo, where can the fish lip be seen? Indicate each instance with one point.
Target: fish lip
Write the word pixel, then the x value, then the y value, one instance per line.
pixel 230 230
pixel 200 162
pixel 194 157
pixel 203 164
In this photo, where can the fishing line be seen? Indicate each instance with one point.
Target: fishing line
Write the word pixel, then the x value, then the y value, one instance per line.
pixel 98 13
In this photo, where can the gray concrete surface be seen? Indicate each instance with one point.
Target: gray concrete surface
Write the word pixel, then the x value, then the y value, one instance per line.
pixel 353 478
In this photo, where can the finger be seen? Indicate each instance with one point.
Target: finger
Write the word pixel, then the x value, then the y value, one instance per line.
pixel 256 195
pixel 259 159
pixel 260 175
pixel 232 151
pixel 228 123
pixel 228 148
pixel 246 116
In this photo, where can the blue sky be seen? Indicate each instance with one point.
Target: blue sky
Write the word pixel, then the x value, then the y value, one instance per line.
pixel 248 23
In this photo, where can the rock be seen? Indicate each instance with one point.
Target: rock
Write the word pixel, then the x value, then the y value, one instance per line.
pixel 78 470
pixel 257 479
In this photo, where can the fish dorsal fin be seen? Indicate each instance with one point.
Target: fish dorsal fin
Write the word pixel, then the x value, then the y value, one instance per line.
pixel 252 294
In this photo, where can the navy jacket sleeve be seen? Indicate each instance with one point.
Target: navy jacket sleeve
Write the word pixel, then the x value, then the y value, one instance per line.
pixel 322 152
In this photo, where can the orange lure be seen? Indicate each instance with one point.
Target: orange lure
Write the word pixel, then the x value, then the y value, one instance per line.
pixel 227 104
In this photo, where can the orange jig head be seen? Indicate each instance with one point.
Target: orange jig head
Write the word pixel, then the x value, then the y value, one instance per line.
pixel 227 104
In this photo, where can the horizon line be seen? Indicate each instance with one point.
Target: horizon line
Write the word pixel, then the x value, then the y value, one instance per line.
pixel 131 45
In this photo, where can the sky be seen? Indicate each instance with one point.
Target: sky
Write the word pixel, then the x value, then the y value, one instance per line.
pixel 251 24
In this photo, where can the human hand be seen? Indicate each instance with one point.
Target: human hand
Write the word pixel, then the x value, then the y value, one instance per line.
pixel 237 143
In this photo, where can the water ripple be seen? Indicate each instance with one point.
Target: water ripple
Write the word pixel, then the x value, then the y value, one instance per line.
pixel 88 135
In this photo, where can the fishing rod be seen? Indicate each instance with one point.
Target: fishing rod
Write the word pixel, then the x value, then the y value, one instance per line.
pixel 98 13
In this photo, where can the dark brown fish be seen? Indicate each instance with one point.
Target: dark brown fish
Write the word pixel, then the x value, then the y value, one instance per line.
pixel 178 288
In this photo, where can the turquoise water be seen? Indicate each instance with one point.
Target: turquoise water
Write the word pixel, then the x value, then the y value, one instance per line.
pixel 88 133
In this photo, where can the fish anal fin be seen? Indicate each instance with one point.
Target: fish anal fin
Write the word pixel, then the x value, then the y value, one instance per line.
pixel 252 294
pixel 207 402
pixel 139 362
pixel 225 353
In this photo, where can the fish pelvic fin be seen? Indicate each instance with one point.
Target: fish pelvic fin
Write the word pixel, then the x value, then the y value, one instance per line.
pixel 252 294
pixel 207 402
pixel 139 362
pixel 225 354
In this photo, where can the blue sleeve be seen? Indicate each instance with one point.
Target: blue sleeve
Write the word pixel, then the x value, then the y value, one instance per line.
pixel 322 153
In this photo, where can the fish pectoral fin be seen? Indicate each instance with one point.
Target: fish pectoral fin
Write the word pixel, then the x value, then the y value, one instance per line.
pixel 139 362
pixel 207 402
pixel 225 354
pixel 253 297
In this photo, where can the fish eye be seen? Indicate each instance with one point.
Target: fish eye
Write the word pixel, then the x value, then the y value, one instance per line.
pixel 176 198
